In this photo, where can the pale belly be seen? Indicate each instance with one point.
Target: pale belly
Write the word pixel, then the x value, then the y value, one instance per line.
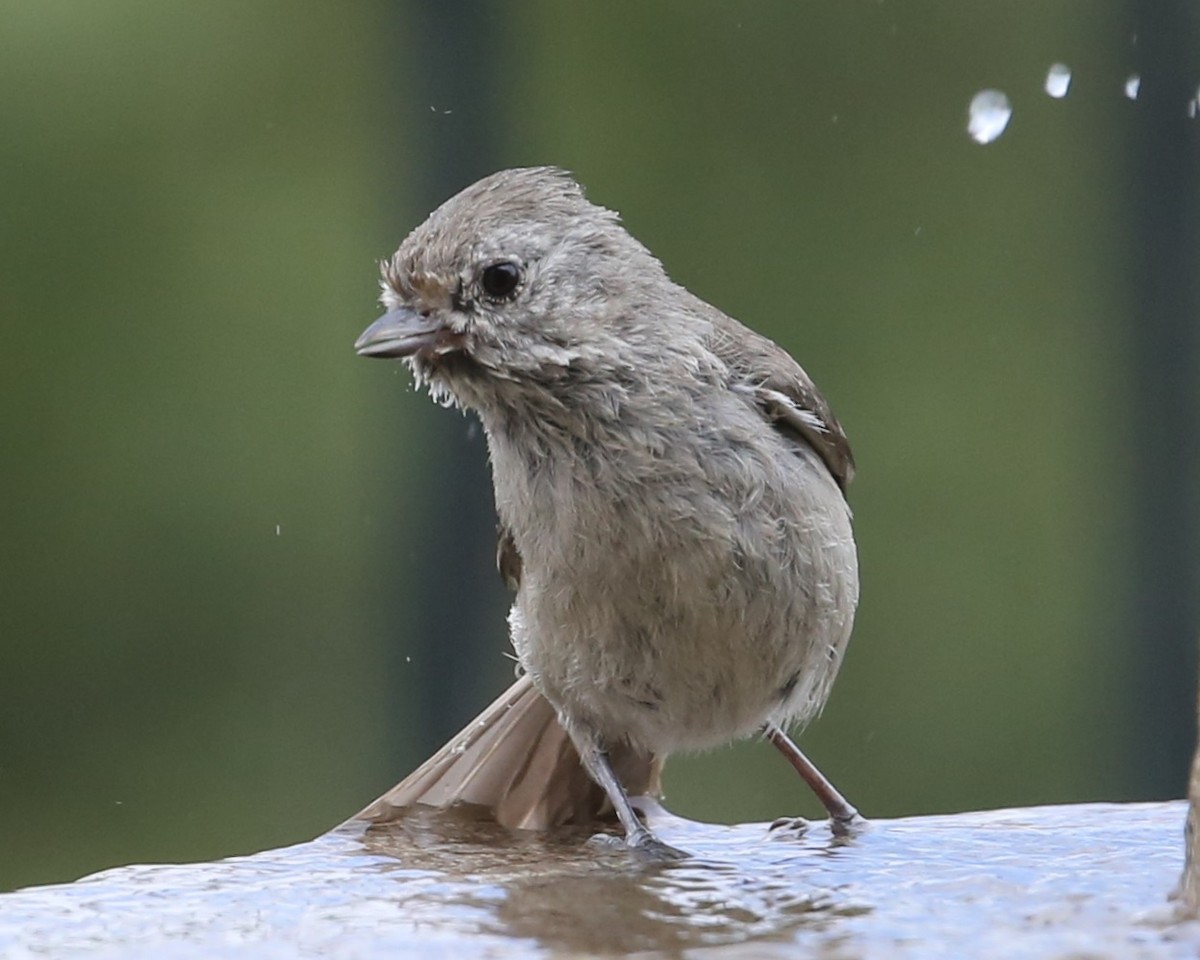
pixel 687 634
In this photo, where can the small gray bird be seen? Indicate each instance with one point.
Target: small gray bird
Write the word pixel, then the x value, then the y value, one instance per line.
pixel 670 484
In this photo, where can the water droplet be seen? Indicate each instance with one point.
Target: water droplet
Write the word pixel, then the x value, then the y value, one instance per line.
pixel 988 115
pixel 1058 80
pixel 278 529
pixel 1133 83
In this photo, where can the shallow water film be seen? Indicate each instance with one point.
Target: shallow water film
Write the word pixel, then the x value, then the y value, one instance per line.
pixel 1083 880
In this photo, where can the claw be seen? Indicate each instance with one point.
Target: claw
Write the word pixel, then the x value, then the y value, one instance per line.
pixel 788 828
pixel 646 845
pixel 851 826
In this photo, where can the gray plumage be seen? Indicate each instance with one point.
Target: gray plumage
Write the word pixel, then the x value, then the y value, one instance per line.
pixel 670 484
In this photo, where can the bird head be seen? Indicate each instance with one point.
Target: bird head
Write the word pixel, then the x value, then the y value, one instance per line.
pixel 516 282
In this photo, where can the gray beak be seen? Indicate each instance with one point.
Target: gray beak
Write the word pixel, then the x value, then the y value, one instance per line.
pixel 400 333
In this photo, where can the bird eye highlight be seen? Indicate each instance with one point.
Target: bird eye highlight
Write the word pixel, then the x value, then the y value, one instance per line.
pixel 500 280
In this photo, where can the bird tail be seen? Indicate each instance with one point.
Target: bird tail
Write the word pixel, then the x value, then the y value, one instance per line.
pixel 516 763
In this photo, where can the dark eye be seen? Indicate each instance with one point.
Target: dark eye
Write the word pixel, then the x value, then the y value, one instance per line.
pixel 500 280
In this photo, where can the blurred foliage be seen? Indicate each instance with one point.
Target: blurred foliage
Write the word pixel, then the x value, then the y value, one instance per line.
pixel 215 517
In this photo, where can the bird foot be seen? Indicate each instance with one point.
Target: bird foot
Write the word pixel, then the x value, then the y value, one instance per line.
pixel 649 847
pixel 851 826
pixel 788 828
pixel 644 845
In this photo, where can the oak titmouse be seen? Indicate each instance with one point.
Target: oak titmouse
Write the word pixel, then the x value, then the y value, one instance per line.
pixel 670 487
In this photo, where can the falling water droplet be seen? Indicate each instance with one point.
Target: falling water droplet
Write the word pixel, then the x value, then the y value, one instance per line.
pixel 1058 80
pixel 1133 83
pixel 988 115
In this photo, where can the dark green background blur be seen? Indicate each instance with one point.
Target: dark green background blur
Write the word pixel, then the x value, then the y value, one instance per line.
pixel 245 577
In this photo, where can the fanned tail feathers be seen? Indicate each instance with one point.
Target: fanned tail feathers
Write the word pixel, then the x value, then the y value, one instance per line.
pixel 517 764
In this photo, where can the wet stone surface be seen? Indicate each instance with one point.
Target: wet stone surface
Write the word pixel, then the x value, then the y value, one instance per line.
pixel 1073 881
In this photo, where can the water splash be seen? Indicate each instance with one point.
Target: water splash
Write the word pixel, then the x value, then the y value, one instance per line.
pixel 1058 80
pixel 1133 86
pixel 988 115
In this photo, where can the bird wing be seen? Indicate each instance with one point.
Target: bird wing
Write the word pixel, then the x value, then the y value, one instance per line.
pixel 508 558
pixel 782 391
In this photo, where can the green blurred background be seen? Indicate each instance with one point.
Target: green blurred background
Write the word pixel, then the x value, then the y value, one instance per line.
pixel 245 577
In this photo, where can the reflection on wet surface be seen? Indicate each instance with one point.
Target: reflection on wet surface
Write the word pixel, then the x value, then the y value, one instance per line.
pixel 1045 882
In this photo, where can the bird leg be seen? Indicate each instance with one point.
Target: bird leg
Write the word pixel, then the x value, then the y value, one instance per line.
pixel 841 812
pixel 637 835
